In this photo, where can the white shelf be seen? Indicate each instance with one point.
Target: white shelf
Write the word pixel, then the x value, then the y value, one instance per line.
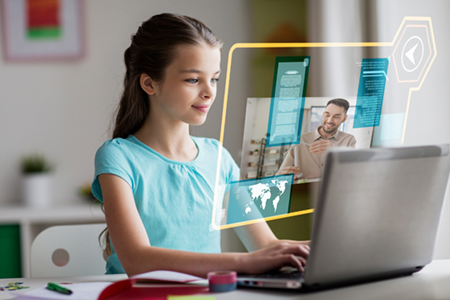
pixel 264 154
pixel 33 220
pixel 61 213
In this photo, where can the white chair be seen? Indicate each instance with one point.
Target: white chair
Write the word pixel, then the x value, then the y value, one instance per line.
pixel 69 250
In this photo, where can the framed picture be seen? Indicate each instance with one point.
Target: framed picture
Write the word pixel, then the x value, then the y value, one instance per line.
pixel 42 29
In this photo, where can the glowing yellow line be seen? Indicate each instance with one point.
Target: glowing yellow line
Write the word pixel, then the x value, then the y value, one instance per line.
pixel 297 213
pixel 308 45
pixel 406 115
pixel 222 132
pixel 225 97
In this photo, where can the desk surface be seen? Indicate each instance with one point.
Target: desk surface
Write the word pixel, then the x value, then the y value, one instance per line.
pixel 433 282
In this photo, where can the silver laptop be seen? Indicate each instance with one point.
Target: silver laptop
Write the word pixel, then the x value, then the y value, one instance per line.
pixel 376 217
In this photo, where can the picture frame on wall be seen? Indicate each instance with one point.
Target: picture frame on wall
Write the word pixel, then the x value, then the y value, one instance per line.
pixel 42 29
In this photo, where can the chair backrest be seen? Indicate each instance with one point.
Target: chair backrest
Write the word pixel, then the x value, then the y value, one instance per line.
pixel 69 250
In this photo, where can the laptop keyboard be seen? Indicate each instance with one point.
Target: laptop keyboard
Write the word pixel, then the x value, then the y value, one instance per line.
pixel 278 275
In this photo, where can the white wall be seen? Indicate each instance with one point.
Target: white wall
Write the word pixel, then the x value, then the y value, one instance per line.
pixel 64 109
pixel 429 108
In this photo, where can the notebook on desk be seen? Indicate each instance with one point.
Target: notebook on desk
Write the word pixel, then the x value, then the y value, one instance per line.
pixel 376 217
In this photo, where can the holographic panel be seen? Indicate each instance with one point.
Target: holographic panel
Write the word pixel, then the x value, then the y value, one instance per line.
pixel 254 199
pixel 389 131
pixel 288 100
pixel 372 82
pixel 412 51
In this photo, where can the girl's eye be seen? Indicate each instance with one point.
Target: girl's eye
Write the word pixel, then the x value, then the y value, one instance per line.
pixel 192 80
pixel 215 80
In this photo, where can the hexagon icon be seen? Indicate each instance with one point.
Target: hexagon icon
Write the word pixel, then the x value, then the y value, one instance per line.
pixel 414 51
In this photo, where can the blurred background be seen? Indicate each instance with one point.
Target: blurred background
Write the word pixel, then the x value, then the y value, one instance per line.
pixel 61 105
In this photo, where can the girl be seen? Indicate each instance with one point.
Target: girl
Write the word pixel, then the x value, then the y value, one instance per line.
pixel 156 181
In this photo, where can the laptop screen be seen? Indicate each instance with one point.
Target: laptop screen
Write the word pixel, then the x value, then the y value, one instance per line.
pixel 377 213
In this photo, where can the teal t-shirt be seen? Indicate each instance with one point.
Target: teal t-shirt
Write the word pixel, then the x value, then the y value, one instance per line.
pixel 174 199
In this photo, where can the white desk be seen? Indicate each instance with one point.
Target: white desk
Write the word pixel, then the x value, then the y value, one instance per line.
pixel 433 282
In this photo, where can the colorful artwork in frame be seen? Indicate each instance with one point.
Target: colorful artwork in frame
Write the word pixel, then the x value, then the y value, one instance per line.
pixel 42 29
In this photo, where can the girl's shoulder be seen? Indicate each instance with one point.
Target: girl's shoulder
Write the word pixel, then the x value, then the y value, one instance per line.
pixel 206 142
pixel 116 147
pixel 120 141
pixel 117 143
pixel 211 146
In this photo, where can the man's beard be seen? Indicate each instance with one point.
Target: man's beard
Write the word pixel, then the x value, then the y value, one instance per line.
pixel 333 130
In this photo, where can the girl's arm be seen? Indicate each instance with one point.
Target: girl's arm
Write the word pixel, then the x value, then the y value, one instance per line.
pixel 136 255
pixel 259 235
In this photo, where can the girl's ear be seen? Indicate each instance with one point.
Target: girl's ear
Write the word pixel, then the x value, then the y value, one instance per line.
pixel 147 84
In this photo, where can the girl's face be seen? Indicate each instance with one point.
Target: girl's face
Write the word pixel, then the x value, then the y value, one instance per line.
pixel 190 85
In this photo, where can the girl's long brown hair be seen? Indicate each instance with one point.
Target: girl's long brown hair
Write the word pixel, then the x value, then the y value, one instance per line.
pixel 151 51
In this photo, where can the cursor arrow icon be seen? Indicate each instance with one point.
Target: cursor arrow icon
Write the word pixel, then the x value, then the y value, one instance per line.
pixel 410 54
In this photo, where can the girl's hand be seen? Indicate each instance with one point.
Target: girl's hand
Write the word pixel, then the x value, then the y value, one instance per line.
pixel 275 256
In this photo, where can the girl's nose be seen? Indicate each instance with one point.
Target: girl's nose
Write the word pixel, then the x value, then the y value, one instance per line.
pixel 207 92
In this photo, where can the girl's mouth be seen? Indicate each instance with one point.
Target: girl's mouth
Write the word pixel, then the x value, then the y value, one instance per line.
pixel 202 108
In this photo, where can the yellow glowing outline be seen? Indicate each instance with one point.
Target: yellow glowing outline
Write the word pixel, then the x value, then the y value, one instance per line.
pixel 305 45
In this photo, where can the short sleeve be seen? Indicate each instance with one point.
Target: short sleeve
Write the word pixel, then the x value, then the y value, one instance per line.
pixel 112 158
pixel 232 169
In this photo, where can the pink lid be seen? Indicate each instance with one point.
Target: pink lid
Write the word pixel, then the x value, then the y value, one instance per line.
pixel 222 277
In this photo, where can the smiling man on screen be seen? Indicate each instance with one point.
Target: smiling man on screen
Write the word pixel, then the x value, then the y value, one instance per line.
pixel 306 159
